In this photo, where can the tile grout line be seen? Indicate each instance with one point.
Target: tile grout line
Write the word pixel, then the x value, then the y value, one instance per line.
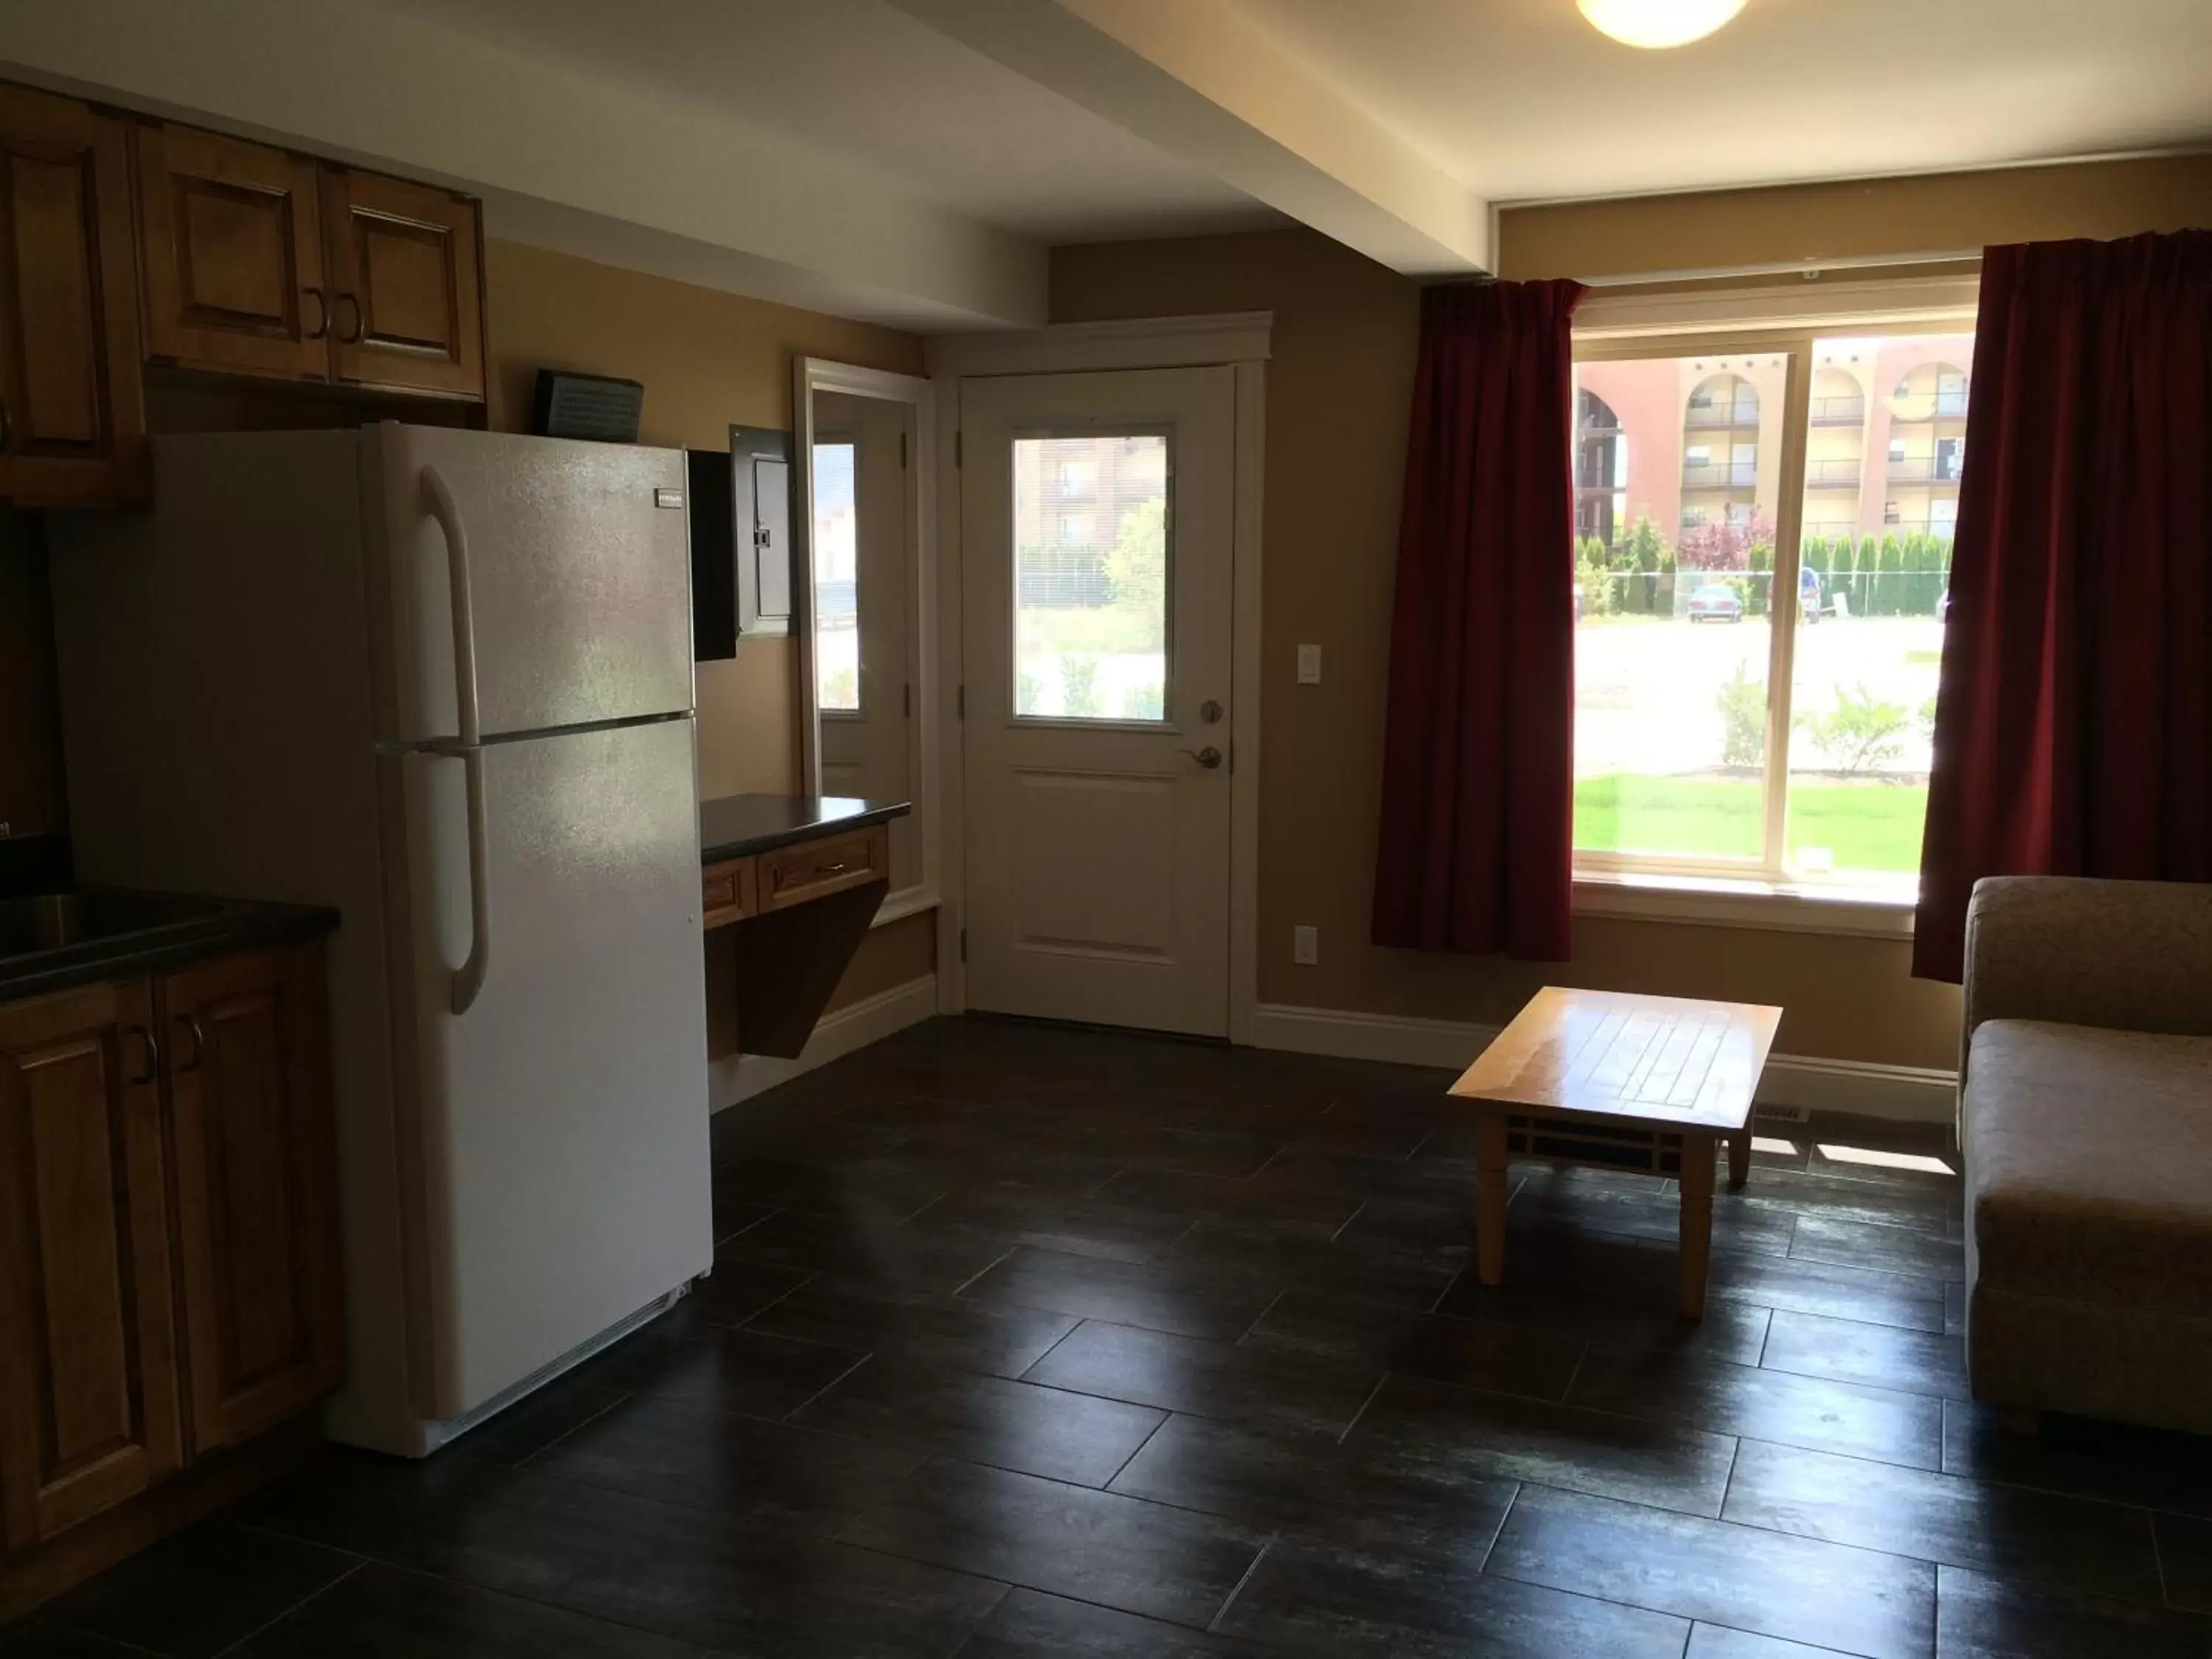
pixel 1491 1548
pixel 1080 1322
pixel 1107 1485
pixel 1213 1624
pixel 1257 1318
pixel 360 1561
pixel 1364 1405
pixel 622 1397
pixel 841 1376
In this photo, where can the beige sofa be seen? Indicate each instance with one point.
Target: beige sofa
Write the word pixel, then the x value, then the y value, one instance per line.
pixel 2086 1119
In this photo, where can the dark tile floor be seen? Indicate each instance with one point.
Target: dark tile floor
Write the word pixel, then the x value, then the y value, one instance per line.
pixel 1027 1341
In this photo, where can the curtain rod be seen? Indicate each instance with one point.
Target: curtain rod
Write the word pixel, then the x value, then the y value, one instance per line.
pixel 1807 268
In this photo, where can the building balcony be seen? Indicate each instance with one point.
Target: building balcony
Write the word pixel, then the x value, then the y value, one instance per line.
pixel 1720 475
pixel 1838 411
pixel 1911 411
pixel 1927 470
pixel 1707 416
pixel 1840 472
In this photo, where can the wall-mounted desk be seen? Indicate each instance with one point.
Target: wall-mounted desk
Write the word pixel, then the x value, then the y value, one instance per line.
pixel 789 883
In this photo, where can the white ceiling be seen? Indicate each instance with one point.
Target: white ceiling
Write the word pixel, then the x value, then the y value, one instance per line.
pixel 1521 99
pixel 870 87
pixel 912 160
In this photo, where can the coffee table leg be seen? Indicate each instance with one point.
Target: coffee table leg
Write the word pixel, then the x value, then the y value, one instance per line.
pixel 1490 1162
pixel 1697 1223
pixel 1739 1159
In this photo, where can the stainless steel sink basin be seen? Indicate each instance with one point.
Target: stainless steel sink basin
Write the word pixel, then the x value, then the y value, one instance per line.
pixel 58 921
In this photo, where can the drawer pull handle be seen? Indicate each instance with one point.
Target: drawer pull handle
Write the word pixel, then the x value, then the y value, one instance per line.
pixel 152 1055
pixel 835 869
pixel 190 1022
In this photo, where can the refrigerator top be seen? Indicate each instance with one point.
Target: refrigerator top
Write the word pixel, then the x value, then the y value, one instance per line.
pixel 555 573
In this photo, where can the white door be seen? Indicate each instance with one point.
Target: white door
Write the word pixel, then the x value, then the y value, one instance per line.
pixel 555 1131
pixel 1097 523
pixel 578 576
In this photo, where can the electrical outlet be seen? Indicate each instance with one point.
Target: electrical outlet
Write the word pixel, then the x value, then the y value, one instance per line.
pixel 1305 947
pixel 1309 664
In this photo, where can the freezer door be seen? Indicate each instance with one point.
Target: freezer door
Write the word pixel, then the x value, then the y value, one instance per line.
pixel 554 1144
pixel 578 580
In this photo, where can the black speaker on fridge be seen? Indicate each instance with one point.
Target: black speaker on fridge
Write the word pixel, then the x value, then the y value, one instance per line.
pixel 594 406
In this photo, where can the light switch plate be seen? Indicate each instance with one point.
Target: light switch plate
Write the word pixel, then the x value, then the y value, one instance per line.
pixel 1309 664
pixel 1305 947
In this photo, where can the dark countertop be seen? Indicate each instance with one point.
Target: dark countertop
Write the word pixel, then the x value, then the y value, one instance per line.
pixel 735 826
pixel 179 930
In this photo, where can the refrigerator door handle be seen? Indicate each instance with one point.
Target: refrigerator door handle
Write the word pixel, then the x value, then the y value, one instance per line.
pixel 468 981
pixel 440 500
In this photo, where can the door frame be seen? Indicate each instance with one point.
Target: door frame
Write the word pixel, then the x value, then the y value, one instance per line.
pixel 1240 341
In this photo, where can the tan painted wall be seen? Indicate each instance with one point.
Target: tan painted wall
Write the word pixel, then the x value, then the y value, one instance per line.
pixel 1863 219
pixel 1338 390
pixel 708 360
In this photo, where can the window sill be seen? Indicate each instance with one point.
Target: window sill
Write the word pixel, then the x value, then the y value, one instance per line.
pixel 1779 907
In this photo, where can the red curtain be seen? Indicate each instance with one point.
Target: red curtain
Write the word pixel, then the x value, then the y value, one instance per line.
pixel 1478 776
pixel 2074 725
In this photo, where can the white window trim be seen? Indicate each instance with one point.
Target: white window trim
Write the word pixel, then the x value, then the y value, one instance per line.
pixel 1785 317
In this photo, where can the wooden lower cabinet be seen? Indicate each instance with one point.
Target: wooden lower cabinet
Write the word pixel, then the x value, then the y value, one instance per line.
pixel 256 1198
pixel 88 1412
pixel 169 1281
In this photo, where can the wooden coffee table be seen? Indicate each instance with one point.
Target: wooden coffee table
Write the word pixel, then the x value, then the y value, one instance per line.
pixel 1618 1082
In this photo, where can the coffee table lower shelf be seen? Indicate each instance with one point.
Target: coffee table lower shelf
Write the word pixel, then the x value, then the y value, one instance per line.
pixel 1501 1134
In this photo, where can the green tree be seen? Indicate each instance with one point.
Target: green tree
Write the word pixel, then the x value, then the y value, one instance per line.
pixel 1636 558
pixel 1760 558
pixel 1890 600
pixel 1840 565
pixel 1137 570
pixel 1079 684
pixel 1870 560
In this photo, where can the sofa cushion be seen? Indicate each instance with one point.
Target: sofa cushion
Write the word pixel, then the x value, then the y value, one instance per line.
pixel 2088 1161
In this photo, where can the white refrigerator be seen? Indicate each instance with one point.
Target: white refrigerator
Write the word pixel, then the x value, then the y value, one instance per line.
pixel 439 680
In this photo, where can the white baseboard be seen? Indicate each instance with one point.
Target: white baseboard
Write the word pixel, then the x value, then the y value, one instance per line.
pixel 1853 1088
pixel 857 1024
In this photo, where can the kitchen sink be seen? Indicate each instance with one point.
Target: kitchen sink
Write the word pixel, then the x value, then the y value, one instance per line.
pixel 60 921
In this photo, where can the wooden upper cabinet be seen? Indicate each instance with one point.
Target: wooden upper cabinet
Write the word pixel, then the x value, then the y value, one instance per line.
pixel 405 295
pixel 256 1189
pixel 233 255
pixel 72 412
pixel 88 1411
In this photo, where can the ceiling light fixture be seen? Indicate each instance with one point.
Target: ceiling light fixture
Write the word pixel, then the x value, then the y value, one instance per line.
pixel 1656 23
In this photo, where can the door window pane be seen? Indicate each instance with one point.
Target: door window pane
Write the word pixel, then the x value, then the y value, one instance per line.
pixel 1093 561
pixel 1885 453
pixel 836 580
pixel 1677 470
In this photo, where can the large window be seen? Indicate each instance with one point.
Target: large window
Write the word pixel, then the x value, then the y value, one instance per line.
pixel 1762 558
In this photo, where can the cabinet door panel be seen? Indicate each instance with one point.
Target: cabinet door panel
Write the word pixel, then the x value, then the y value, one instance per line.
pixel 405 286
pixel 234 255
pixel 88 1371
pixel 249 1095
pixel 72 418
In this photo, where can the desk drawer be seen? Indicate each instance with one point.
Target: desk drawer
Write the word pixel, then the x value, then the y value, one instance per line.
pixel 727 891
pixel 815 869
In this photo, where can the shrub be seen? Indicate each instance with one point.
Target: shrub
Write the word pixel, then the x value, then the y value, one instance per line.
pixel 1743 705
pixel 1028 693
pixel 1142 703
pixel 1596 584
pixel 1861 732
pixel 1079 684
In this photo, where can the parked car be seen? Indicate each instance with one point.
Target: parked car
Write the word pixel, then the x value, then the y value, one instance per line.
pixel 1716 603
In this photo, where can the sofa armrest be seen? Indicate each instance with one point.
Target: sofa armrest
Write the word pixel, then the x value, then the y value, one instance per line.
pixel 2131 956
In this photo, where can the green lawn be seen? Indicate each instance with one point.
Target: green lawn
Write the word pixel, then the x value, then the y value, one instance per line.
pixel 1866 826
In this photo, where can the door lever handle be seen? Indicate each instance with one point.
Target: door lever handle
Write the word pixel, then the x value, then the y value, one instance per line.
pixel 1209 756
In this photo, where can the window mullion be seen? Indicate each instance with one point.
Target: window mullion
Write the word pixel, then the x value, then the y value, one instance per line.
pixel 1781 601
